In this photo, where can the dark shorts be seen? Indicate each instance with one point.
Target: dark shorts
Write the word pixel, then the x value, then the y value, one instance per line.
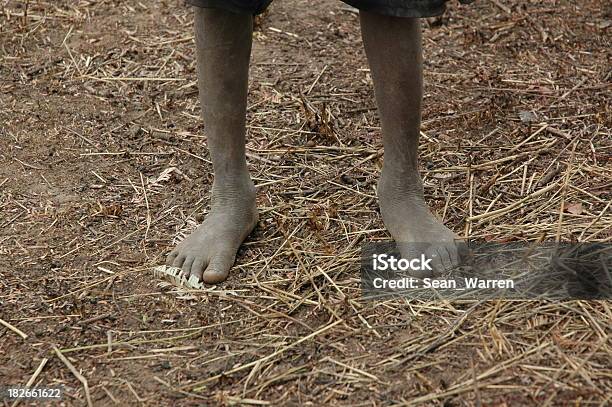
pixel 396 8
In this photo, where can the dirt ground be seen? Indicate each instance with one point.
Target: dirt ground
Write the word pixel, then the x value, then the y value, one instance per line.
pixel 103 165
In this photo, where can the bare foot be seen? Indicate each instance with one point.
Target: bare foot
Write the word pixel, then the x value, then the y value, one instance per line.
pixel 413 227
pixel 210 251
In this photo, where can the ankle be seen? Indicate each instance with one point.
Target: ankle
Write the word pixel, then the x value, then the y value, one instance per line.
pixel 397 177
pixel 399 187
pixel 228 189
pixel 400 166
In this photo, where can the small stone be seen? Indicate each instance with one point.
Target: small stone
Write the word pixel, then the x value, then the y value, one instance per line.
pixel 135 130
pixel 527 117
pixel 348 179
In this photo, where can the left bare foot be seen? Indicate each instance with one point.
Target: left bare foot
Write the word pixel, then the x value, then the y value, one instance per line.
pixel 413 227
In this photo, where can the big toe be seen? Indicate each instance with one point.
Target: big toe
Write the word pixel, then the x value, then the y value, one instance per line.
pixel 444 257
pixel 219 267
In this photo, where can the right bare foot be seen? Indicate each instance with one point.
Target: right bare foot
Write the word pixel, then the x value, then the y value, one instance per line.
pixel 210 251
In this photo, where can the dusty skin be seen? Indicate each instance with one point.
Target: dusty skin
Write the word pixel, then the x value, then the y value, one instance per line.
pixel 393 49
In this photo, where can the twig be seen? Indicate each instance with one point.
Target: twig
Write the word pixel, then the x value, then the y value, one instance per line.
pixel 76 374
pixel 30 382
pixel 14 329
pixel 199 385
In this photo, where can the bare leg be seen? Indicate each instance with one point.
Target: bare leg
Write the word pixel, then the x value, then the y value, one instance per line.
pixel 393 48
pixel 223 41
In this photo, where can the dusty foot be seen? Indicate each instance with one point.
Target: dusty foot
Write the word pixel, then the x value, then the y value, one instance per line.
pixel 413 227
pixel 209 252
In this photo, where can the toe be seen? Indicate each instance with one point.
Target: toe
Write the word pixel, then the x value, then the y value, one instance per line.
pixel 454 254
pixel 218 268
pixel 447 257
pixel 171 257
pixel 187 266
pixel 463 250
pixel 436 264
pixel 440 259
pixel 178 261
pixel 197 268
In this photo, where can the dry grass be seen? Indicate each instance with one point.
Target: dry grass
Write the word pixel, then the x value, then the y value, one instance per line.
pixel 103 164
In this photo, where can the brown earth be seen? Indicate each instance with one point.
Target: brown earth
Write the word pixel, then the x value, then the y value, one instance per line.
pixel 98 99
